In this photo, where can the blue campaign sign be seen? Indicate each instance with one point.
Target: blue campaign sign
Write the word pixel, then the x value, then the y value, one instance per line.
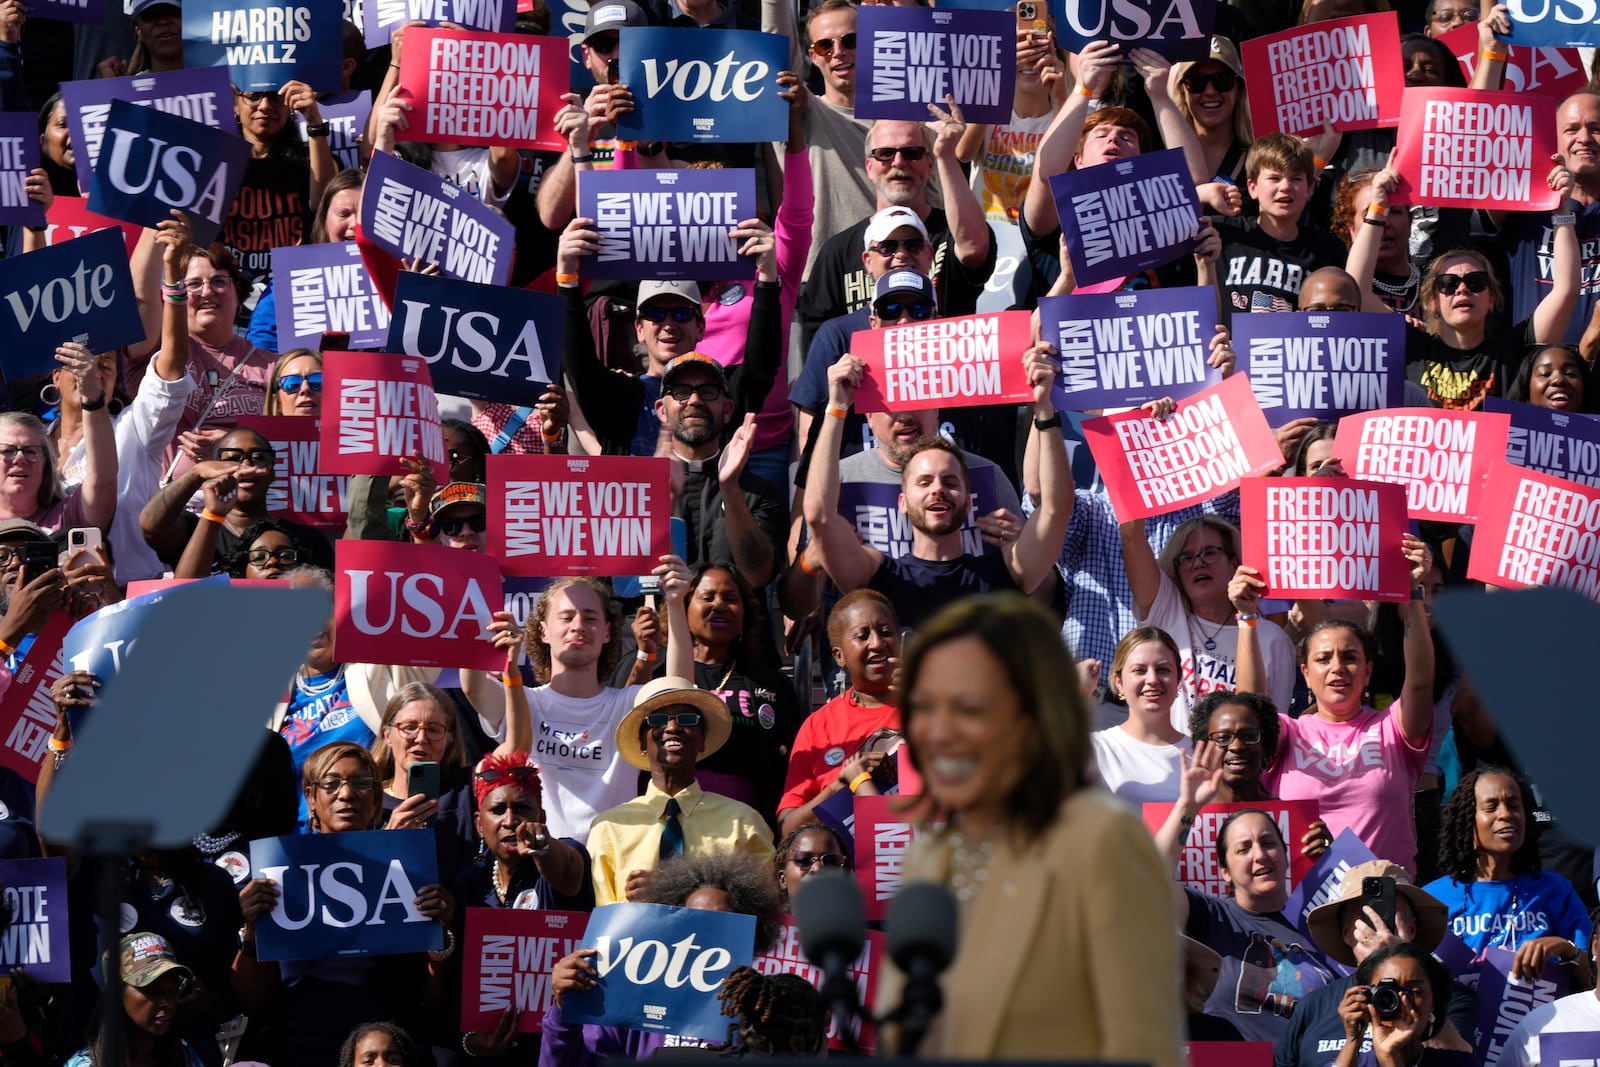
pixel 82 288
pixel 203 95
pixel 1322 366
pixel 268 43
pixel 660 968
pixel 151 162
pixel 910 57
pixel 412 213
pixel 322 289
pixel 1177 29
pixel 481 341
pixel 346 894
pixel 87 11
pixel 19 154
pixel 101 642
pixel 667 223
pixel 36 933
pixel 703 85
pixel 1559 443
pixel 1127 215
pixel 346 118
pixel 1120 350
pixel 1540 24
pixel 380 18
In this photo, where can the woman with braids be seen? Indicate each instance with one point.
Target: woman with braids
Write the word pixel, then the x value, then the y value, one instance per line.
pixel 805 851
pixel 717 881
pixel 1498 894
pixel 380 1045
pixel 776 1014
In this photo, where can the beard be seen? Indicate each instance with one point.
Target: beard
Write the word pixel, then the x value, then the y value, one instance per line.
pixel 939 525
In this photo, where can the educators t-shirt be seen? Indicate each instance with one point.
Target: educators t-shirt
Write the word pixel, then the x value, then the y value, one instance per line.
pixel 1506 914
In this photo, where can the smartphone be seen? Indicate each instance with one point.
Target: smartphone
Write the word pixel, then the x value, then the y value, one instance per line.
pixel 80 539
pixel 612 75
pixel 1028 18
pixel 423 778
pixel 37 558
pixel 1378 894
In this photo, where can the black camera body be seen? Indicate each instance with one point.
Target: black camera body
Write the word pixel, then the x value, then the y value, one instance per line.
pixel 1385 998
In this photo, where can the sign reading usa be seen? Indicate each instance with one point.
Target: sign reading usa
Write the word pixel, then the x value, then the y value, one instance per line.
pixel 567 515
pixel 203 95
pixel 702 84
pixel 419 605
pixel 349 894
pixel 1177 29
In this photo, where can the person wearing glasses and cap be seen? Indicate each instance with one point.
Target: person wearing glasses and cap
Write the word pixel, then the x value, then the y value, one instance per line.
pixel 154 986
pixel 457 517
pixel 672 725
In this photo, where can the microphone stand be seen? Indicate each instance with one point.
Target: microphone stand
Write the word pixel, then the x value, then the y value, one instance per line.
pixel 920 1004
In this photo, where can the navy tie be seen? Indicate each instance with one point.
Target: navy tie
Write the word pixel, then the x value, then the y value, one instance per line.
pixel 672 832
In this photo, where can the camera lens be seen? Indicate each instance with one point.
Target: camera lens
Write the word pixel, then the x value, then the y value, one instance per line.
pixel 1385 1000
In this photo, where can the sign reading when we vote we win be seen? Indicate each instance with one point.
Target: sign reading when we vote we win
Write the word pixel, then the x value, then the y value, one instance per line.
pixel 667 223
pixel 1321 366
pixel 551 516
pixel 1326 538
pixel 969 361
pixel 300 492
pixel 1537 530
pixel 1344 72
pixel 384 409
pixel 411 213
pixel 380 18
pixel 507 955
pixel 702 84
pixel 922 55
pixel 1125 349
pixel 1127 216
pixel 1475 148
pixel 329 292
pixel 1562 444
pixel 19 154
pixel 1441 457
pixel 483 88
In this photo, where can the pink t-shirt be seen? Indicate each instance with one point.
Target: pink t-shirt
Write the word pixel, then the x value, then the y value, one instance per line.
pixel 1361 773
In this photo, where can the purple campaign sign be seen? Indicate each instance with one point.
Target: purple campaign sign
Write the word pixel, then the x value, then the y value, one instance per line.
pixel 1322 366
pixel 1177 29
pixel 1123 349
pixel 19 154
pixel 702 85
pixel 874 510
pixel 325 289
pixel 1560 1050
pixel 346 116
pixel 411 213
pixel 667 223
pixel 36 935
pixel 383 17
pixel 89 12
pixel 268 43
pixel 203 95
pixel 1126 215
pixel 1558 443
pixel 1321 884
pixel 1503 1001
pixel 910 57
pixel 153 162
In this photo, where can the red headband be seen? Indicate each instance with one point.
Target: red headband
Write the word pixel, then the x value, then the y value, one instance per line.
pixel 495 771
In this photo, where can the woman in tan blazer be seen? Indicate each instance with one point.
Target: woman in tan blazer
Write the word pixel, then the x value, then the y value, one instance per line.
pixel 1066 946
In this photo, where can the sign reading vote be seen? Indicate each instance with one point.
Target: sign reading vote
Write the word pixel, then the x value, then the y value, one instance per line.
pixel 411 213
pixel 1211 441
pixel 1125 349
pixel 346 118
pixel 36 933
pixel 1557 72
pixel 480 341
pixel 1321 366
pixel 506 959
pixel 1197 862
pixel 346 894
pixel 1177 29
pixel 300 492
pixel 874 510
pixel 380 18
pixel 324 289
pixel 969 361
pixel 1475 148
pixel 921 55
pixel 268 43
pixel 1558 443
pixel 660 968
pixel 1537 530
pixel 77 288
pixel 1127 216
pixel 419 605
pixel 203 95
pixel 151 162
pixel 1326 538
pixel 561 515
pixel 483 88
pixel 702 84
pixel 1441 457
pixel 27 714
pixel 19 154
pixel 386 410
pixel 667 223
pixel 1346 73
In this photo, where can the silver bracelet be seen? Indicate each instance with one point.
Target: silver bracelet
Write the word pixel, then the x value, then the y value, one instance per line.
pixel 468 1051
pixel 1566 218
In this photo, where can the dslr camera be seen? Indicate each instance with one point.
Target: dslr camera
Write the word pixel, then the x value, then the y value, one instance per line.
pixel 1386 997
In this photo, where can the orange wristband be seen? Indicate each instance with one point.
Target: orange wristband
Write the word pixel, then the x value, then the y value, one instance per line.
pixel 566 279
pixel 211 516
pixel 1083 91
pixel 1492 55
pixel 801 559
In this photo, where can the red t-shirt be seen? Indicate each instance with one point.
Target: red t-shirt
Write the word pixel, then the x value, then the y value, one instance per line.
pixel 826 741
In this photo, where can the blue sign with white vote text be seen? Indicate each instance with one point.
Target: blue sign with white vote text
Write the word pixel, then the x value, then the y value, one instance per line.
pixel 267 43
pixel 1119 350
pixel 69 290
pixel 660 968
pixel 346 894
pixel 703 85
pixel 1126 215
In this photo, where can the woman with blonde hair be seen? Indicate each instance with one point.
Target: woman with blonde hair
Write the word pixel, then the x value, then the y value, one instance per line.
pixel 295 387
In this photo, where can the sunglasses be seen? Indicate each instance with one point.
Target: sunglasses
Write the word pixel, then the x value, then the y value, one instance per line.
pixel 453 526
pixel 912 246
pixel 1476 282
pixel 710 392
pixel 520 775
pixel 807 860
pixel 291 383
pixel 603 45
pixel 910 153
pixel 894 312
pixel 824 47
pixel 677 313
pixel 1223 81
pixel 682 718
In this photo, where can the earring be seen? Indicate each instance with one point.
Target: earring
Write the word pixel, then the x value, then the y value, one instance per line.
pixel 44 394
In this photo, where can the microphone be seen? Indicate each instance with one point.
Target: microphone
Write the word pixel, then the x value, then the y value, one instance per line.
pixel 827 909
pixel 922 941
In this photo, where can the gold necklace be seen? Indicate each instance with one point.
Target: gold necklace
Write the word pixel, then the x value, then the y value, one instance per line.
pixel 718 687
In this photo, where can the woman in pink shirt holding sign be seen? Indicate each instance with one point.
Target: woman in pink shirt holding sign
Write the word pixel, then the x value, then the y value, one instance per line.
pixel 1359 764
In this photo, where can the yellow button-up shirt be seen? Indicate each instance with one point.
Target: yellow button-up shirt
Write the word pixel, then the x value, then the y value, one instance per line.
pixel 628 837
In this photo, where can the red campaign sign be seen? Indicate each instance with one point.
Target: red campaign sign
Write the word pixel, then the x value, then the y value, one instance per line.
pixel 1347 72
pixel 474 88
pixel 787 958
pixel 551 516
pixel 69 218
pixel 1441 457
pixel 1555 72
pixel 884 830
pixel 141 586
pixel 27 714
pixel 378 409
pixel 1228 1053
pixel 299 491
pixel 1197 864
pixel 415 605
pixel 1476 149
pixel 970 361
pixel 1326 538
pixel 1211 441
pixel 507 955
pixel 1535 529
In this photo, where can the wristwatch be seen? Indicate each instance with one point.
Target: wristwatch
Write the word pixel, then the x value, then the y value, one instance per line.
pixel 1047 424
pixel 651 148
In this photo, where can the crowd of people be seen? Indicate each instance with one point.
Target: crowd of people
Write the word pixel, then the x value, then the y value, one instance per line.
pixel 931 603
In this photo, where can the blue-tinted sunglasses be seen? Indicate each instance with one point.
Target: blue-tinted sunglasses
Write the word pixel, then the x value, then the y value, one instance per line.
pixel 893 311
pixel 291 383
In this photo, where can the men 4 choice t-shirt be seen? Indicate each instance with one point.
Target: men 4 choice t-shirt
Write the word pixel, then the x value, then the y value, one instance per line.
pixel 575 749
